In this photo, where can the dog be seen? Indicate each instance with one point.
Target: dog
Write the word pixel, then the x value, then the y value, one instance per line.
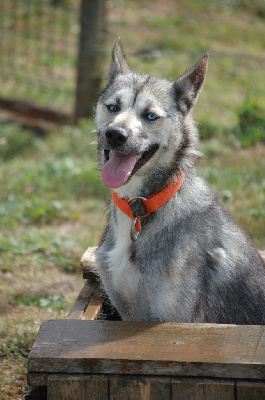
pixel 170 251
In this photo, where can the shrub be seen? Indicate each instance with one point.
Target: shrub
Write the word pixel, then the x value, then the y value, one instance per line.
pixel 251 123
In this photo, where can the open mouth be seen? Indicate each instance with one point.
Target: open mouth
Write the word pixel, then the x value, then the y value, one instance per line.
pixel 120 167
pixel 145 157
pixel 141 161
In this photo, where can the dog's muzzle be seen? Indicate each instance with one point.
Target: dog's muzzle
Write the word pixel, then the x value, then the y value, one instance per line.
pixel 116 137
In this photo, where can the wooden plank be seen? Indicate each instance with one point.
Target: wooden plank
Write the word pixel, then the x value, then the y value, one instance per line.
pixel 83 300
pixel 96 388
pixel 250 391
pixel 192 390
pixel 71 387
pixel 88 259
pixel 149 348
pixel 37 379
pixel 36 393
pixel 160 389
pixel 66 388
pixel 95 306
pixel 125 388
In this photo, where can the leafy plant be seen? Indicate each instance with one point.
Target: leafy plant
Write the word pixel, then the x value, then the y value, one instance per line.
pixel 251 122
pixel 55 302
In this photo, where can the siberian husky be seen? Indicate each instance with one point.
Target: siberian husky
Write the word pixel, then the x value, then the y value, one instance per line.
pixel 170 252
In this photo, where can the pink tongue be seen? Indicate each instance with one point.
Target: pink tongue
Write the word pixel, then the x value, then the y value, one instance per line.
pixel 117 170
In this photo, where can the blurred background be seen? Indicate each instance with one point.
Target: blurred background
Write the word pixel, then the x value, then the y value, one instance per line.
pixel 54 55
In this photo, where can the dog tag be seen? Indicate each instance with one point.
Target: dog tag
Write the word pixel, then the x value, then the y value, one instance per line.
pixel 134 234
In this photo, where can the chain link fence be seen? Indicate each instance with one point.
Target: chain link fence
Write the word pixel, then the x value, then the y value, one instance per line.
pixel 38 51
pixel 47 48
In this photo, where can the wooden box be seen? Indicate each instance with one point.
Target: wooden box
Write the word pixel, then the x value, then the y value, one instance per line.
pixel 84 358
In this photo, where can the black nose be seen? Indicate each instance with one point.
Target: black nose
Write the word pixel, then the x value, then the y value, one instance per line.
pixel 116 137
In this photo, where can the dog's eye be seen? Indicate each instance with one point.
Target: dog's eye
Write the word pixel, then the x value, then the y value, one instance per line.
pixel 112 108
pixel 151 117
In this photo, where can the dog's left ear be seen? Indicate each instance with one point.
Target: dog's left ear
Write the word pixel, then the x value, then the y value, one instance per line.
pixel 189 85
pixel 119 63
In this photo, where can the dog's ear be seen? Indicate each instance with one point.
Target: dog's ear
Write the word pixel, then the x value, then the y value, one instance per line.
pixel 119 63
pixel 189 85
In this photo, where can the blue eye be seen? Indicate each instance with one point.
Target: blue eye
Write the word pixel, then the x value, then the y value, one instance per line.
pixel 152 117
pixel 112 108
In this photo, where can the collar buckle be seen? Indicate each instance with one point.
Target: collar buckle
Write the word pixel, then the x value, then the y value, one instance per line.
pixel 138 210
pixel 137 207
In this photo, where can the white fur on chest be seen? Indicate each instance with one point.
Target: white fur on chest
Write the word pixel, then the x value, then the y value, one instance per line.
pixel 125 275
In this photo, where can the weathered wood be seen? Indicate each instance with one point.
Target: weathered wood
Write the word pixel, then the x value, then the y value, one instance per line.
pixel 96 388
pixel 250 391
pixel 36 393
pixel 37 379
pixel 88 259
pixel 132 388
pixel 160 388
pixel 126 389
pixel 61 387
pixel 194 390
pixel 90 59
pixel 83 300
pixel 149 348
pixel 95 306
pixel 65 388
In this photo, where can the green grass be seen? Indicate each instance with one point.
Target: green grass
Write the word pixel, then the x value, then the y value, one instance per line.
pixel 238 176
pixel 52 201
pixel 182 31
pixel 51 208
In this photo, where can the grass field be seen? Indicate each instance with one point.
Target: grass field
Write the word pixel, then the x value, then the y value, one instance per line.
pixel 52 202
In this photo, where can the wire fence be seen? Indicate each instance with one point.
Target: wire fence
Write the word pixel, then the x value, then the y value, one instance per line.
pixel 46 49
pixel 38 51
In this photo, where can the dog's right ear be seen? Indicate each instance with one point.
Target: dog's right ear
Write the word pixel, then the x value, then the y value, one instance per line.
pixel 119 63
pixel 188 86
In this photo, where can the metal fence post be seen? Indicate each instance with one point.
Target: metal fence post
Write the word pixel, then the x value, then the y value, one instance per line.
pixel 90 57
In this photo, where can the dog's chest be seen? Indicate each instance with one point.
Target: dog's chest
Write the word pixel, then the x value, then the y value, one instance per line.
pixel 124 274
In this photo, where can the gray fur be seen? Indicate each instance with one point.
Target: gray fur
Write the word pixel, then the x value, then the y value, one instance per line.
pixel 191 262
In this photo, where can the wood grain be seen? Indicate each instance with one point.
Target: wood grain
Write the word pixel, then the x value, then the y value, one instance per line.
pixel 262 253
pixel 250 391
pixel 191 390
pixel 94 307
pixel 83 300
pixel 132 388
pixel 88 259
pixel 149 348
pixel 65 388
pixel 61 387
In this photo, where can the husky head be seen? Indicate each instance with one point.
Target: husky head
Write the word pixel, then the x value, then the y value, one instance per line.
pixel 146 133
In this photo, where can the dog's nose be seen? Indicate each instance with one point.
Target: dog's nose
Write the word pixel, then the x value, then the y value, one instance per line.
pixel 116 137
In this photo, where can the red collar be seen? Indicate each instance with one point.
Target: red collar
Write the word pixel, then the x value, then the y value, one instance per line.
pixel 139 207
